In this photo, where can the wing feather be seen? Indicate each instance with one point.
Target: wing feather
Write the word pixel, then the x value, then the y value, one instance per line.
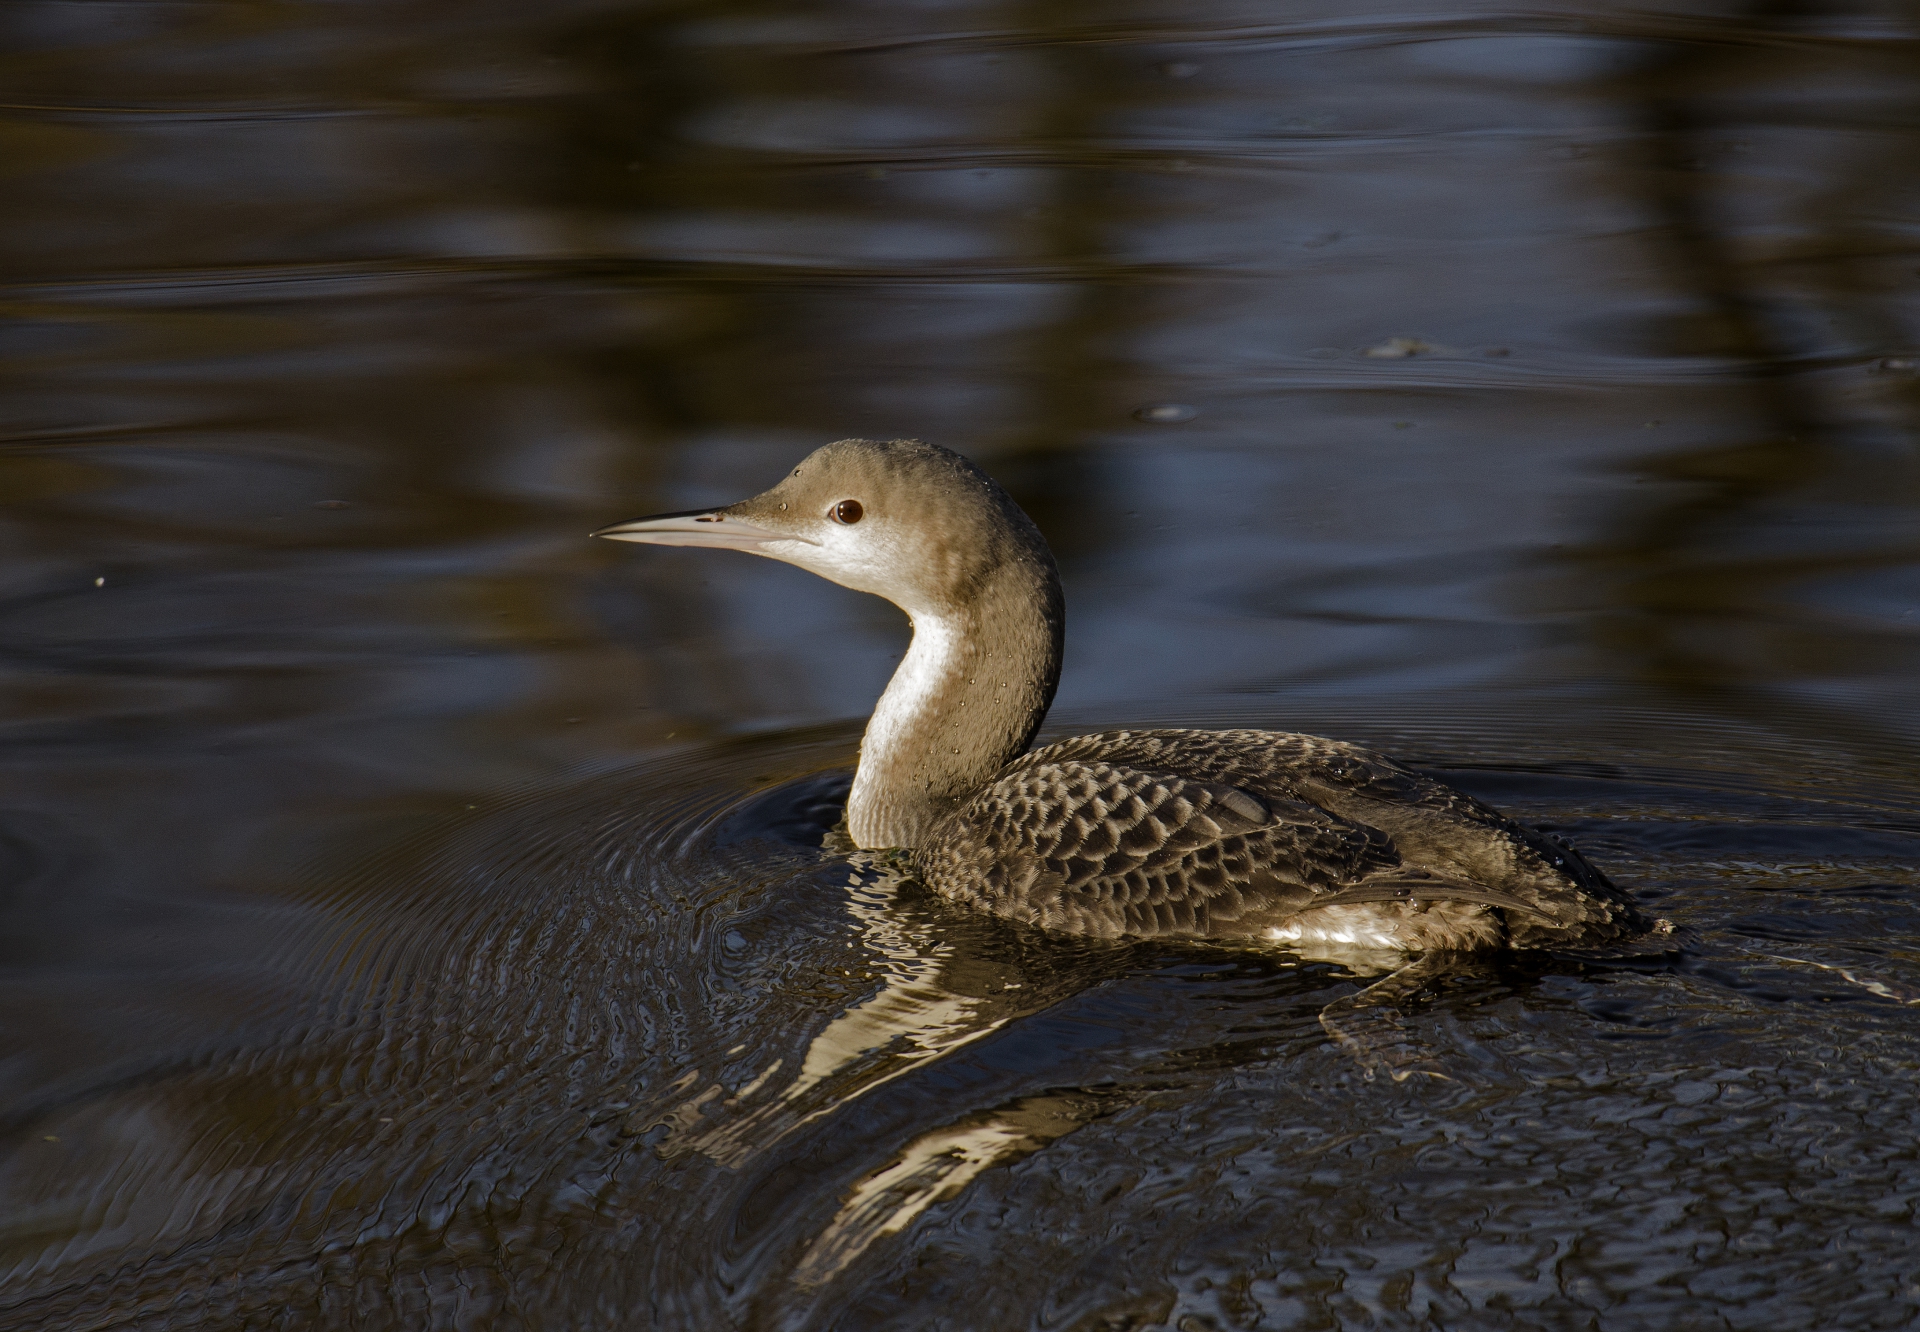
pixel 1430 827
pixel 1228 832
pixel 1100 848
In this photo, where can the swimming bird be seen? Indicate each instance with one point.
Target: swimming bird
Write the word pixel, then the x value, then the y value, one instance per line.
pixel 1238 835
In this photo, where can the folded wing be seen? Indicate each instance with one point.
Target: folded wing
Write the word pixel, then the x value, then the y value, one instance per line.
pixel 1109 850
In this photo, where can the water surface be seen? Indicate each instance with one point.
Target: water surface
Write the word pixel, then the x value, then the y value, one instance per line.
pixel 415 914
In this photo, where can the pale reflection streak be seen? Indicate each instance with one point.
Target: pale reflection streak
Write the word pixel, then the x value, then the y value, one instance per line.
pixel 913 1018
pixel 933 1168
pixel 1899 992
pixel 918 1015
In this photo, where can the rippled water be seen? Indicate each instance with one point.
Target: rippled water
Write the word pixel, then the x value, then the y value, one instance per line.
pixel 414 915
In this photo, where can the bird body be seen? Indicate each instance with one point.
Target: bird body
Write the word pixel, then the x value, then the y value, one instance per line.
pixel 1255 836
pixel 1260 835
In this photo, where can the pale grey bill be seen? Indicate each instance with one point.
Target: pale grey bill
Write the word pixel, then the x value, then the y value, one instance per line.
pixel 696 527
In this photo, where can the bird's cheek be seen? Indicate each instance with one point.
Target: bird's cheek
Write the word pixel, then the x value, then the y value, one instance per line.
pixel 836 563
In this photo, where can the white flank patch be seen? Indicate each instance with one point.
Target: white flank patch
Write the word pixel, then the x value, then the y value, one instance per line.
pixel 1356 927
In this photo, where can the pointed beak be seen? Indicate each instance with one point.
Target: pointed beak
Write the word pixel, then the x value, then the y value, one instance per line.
pixel 696 527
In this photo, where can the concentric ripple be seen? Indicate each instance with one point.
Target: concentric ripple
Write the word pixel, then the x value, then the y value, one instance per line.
pixel 642 1044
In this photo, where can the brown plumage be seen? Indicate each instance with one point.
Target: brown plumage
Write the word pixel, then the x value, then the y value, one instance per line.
pixel 1249 835
pixel 1257 834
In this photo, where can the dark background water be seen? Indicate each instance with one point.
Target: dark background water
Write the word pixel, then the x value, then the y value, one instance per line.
pixel 1551 384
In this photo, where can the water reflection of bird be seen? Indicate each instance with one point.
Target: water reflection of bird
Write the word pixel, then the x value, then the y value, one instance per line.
pixel 1242 836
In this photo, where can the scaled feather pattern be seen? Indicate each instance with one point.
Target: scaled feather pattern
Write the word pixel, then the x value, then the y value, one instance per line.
pixel 1257 834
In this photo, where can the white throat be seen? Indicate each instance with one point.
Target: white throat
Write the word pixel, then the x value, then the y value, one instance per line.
pixel 893 785
pixel 964 702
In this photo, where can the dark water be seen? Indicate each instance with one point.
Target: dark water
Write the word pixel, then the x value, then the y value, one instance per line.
pixel 411 913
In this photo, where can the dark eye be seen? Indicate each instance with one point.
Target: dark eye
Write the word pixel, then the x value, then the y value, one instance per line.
pixel 846 511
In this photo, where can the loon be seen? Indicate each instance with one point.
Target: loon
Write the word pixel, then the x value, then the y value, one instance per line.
pixel 1242 835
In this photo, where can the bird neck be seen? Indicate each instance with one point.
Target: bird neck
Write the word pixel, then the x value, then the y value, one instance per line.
pixel 968 696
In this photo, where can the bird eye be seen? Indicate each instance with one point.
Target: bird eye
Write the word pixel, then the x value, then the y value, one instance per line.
pixel 846 511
